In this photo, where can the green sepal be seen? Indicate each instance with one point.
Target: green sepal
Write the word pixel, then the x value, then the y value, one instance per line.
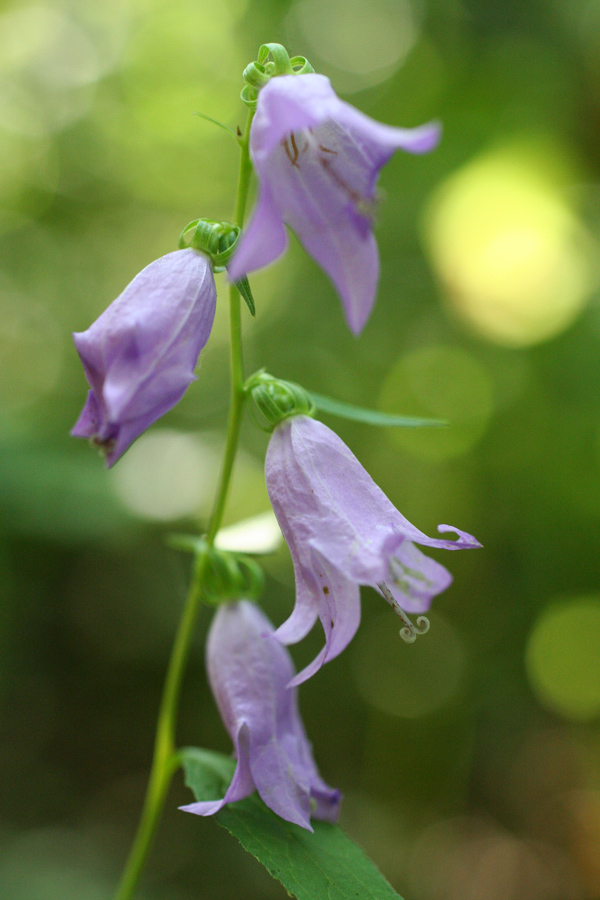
pixel 277 399
pixel 249 96
pixel 224 575
pixel 216 239
pixel 243 286
pixel 255 75
pixel 326 865
pixel 272 60
pixel 280 63
pixel 301 66
pixel 372 416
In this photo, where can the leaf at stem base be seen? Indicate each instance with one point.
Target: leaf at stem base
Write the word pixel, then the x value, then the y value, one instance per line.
pixel 326 865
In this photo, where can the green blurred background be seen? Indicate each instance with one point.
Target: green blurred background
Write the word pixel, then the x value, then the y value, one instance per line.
pixel 469 761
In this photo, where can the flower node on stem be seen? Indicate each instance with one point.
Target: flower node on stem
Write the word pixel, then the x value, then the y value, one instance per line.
pixel 273 59
pixel 278 400
pixel 217 239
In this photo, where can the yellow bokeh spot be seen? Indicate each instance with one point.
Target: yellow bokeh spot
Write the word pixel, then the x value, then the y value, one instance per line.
pixel 514 260
pixel 563 658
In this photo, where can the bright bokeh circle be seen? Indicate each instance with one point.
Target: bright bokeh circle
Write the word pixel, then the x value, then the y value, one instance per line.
pixel 515 262
pixel 563 658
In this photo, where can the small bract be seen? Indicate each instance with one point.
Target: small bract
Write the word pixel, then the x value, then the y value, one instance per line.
pixel 318 160
pixel 249 672
pixel 342 532
pixel 139 355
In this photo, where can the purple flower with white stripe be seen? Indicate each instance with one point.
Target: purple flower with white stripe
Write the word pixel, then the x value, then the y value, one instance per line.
pixel 249 673
pixel 342 532
pixel 318 160
pixel 139 355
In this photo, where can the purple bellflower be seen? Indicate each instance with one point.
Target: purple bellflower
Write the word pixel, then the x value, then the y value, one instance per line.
pixel 249 672
pixel 139 355
pixel 342 532
pixel 318 160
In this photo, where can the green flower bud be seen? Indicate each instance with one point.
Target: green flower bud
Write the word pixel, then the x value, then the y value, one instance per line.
pixel 278 400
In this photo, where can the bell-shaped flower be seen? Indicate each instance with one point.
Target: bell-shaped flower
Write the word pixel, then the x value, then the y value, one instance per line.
pixel 318 160
pixel 139 355
pixel 342 532
pixel 249 672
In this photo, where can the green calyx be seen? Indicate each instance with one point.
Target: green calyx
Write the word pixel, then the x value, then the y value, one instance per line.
pixel 224 575
pixel 278 400
pixel 216 239
pixel 273 59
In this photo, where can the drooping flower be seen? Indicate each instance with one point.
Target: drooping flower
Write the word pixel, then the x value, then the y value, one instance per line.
pixel 318 160
pixel 249 672
pixel 139 355
pixel 342 532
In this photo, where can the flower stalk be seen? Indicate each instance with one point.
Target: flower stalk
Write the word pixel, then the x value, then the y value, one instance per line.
pixel 165 760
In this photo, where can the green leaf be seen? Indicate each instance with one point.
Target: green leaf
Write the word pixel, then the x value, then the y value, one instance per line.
pixel 371 416
pixel 235 136
pixel 243 286
pixel 325 865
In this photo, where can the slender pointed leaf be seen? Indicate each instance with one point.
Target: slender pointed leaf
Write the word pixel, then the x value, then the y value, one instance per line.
pixel 243 286
pixel 372 416
pixel 220 124
pixel 325 865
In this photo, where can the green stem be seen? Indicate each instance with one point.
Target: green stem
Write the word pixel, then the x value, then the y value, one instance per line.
pixel 238 395
pixel 165 760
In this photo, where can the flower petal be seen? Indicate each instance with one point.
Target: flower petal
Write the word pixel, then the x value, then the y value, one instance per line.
pixel 89 420
pixel 262 241
pixel 241 784
pixel 351 260
pixel 287 104
pixel 415 579
pixel 339 611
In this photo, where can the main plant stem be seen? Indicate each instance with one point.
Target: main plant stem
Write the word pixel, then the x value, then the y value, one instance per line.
pixel 165 759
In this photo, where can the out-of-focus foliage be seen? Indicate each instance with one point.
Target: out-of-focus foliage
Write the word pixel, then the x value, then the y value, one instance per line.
pixel 469 761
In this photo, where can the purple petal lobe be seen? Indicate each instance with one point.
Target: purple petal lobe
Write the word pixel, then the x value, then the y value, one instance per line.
pixel 263 240
pixel 339 611
pixel 415 579
pixel 241 785
pixel 139 355
pixel 249 672
pixel 89 420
